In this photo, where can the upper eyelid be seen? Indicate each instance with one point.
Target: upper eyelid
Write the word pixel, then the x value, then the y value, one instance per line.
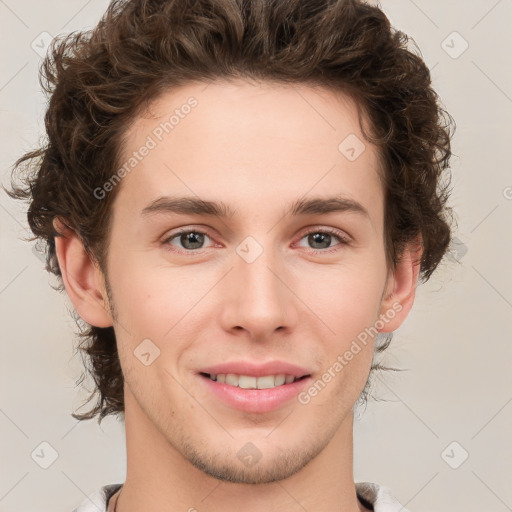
pixel 344 237
pixel 207 231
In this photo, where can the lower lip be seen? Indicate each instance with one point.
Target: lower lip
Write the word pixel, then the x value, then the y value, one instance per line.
pixel 255 400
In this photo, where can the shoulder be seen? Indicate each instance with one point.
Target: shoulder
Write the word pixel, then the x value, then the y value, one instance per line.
pixel 379 497
pixel 97 502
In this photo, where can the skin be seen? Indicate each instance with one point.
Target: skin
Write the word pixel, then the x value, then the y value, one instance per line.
pixel 256 147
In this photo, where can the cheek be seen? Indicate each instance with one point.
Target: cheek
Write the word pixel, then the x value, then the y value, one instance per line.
pixel 150 340
pixel 153 304
pixel 149 300
pixel 346 300
pixel 349 308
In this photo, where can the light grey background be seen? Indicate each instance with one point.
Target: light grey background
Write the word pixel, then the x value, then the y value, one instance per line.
pixel 456 343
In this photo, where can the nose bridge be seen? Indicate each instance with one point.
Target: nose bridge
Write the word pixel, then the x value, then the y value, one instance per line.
pixel 257 269
pixel 261 300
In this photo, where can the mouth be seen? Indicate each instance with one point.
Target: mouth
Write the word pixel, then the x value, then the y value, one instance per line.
pixel 253 382
pixel 254 394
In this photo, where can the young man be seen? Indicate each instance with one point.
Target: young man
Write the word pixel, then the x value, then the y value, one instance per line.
pixel 238 196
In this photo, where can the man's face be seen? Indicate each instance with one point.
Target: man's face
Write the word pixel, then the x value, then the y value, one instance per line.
pixel 260 285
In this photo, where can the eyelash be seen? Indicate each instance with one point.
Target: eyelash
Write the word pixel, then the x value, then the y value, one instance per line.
pixel 327 231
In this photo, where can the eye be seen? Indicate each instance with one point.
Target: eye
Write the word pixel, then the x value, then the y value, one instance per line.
pixel 190 240
pixel 323 238
pixel 193 240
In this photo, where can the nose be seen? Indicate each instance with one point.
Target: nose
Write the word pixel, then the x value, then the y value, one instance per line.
pixel 257 299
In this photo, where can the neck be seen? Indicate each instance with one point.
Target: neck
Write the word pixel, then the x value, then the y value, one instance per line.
pixel 159 478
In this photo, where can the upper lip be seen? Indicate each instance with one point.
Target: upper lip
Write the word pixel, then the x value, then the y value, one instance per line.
pixel 256 370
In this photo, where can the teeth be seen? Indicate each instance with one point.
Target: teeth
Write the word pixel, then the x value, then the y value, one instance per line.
pixel 249 382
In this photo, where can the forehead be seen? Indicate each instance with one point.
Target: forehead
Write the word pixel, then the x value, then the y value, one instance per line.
pixel 246 141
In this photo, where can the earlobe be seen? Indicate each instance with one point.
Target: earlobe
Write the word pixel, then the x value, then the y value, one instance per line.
pixel 81 277
pixel 401 288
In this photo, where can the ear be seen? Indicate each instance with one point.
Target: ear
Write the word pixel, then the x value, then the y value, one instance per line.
pixel 82 277
pixel 399 293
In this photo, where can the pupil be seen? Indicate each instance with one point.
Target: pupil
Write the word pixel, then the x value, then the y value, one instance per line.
pixel 320 238
pixel 194 238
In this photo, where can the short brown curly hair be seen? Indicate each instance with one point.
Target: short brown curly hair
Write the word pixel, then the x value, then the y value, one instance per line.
pixel 99 81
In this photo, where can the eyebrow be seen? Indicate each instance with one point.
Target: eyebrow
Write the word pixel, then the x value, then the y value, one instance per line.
pixel 190 205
